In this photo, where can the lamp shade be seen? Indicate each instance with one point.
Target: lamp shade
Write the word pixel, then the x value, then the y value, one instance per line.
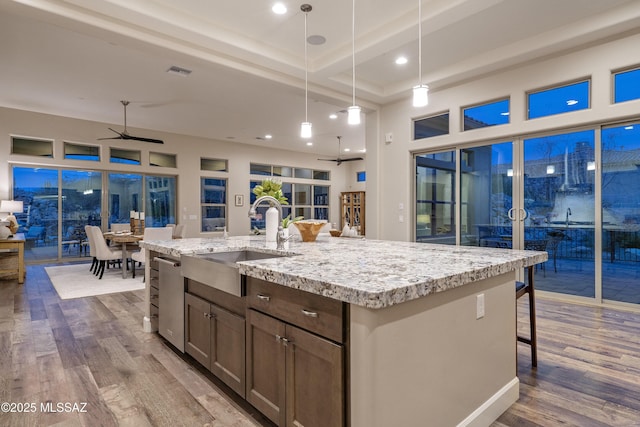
pixel 11 206
pixel 353 115
pixel 305 130
pixel 420 95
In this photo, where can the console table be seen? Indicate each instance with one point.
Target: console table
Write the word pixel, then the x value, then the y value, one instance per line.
pixel 13 243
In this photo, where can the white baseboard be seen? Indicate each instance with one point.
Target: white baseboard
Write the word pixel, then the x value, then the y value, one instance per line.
pixel 490 410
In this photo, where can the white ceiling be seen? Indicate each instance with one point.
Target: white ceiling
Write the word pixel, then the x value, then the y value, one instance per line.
pixel 79 58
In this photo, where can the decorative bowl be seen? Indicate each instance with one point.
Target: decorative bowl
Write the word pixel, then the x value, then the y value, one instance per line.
pixel 309 229
pixel 335 233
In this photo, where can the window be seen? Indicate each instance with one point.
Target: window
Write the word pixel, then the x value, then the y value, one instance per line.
pixel 558 100
pixel 435 198
pixel 303 173
pixel 31 147
pixel 129 157
pixel 257 169
pixel 361 176
pixel 289 172
pixel 490 114
pixel 626 85
pixel 81 152
pixel 216 165
pixel 431 126
pixel 163 160
pixel 282 171
pixel 213 201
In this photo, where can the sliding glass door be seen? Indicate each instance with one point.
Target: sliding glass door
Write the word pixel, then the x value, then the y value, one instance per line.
pixel 58 203
pixel 621 213
pixel 559 210
pixel 81 205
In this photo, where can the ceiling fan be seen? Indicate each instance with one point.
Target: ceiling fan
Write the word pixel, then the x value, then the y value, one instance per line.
pixel 339 160
pixel 125 135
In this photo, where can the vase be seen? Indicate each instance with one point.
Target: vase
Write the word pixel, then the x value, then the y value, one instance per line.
pixel 272 220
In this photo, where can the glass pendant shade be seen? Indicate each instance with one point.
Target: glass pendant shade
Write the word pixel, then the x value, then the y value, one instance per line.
pixel 353 117
pixel 305 130
pixel 420 95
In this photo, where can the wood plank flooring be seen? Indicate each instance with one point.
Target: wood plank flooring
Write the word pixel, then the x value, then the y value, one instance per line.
pixel 93 350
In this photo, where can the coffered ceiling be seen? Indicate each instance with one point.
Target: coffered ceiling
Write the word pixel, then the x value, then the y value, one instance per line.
pixel 79 58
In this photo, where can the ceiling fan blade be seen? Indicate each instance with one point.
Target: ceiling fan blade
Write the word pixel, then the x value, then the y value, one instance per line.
pixel 125 135
pixel 351 159
pixel 138 138
pixel 331 160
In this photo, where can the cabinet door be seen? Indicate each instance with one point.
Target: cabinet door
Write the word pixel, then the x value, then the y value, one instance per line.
pixel 197 329
pixel 266 365
pixel 315 385
pixel 227 348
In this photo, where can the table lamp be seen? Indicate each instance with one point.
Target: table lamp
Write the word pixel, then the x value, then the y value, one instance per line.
pixel 10 207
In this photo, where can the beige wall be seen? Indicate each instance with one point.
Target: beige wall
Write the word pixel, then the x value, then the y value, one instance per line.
pixel 188 150
pixel 393 164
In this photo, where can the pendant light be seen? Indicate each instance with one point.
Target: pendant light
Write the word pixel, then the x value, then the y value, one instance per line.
pixel 305 127
pixel 353 117
pixel 421 91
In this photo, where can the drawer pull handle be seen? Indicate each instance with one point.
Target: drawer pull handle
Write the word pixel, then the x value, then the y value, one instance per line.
pixel 263 297
pixel 309 313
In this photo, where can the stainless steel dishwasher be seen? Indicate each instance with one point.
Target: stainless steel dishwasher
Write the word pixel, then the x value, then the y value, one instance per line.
pixel 171 302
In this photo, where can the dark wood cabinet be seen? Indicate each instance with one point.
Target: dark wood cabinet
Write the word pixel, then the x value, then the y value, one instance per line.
pixel 294 376
pixel 215 337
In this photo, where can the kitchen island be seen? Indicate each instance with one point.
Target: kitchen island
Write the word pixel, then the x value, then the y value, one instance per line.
pixel 419 350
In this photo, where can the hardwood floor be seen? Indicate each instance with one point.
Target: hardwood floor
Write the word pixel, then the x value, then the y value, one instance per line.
pixel 93 350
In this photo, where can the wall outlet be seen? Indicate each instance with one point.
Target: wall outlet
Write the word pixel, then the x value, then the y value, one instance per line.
pixel 401 218
pixel 480 306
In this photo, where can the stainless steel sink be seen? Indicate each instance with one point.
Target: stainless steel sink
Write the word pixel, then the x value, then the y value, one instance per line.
pixel 219 269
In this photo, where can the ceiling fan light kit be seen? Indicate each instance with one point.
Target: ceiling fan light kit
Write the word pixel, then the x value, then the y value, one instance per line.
pixel 125 135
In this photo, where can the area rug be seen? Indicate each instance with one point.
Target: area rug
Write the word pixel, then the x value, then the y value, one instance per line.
pixel 76 281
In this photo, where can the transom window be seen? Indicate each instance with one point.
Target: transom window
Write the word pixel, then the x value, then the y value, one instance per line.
pixel 431 126
pixel 484 115
pixel 626 85
pixel 558 100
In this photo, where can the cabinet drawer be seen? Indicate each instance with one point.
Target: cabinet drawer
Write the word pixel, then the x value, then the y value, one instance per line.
pixel 321 315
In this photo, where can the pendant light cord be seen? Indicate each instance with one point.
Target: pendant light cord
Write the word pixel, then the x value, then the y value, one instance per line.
pixel 353 47
pixel 420 42
pixel 306 72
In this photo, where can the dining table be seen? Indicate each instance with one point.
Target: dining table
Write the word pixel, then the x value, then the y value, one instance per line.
pixel 124 239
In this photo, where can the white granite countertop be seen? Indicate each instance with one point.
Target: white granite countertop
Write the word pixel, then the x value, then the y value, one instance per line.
pixel 369 273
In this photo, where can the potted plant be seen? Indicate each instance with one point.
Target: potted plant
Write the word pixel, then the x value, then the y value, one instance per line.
pixel 271 187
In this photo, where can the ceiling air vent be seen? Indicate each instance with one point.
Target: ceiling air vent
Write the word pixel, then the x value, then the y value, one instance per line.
pixel 174 69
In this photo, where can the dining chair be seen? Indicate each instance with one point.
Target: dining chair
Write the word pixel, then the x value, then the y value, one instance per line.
pixel 104 253
pixel 150 233
pixel 92 247
pixel 179 231
pixel 523 288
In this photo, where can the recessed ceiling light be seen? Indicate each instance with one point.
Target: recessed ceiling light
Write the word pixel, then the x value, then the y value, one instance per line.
pixel 401 60
pixel 333 116
pixel 279 8
pixel 506 113
pixel 316 39
pixel 346 150
pixel 364 150
pixel 628 128
pixel 268 136
pixel 572 102
pixel 309 143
